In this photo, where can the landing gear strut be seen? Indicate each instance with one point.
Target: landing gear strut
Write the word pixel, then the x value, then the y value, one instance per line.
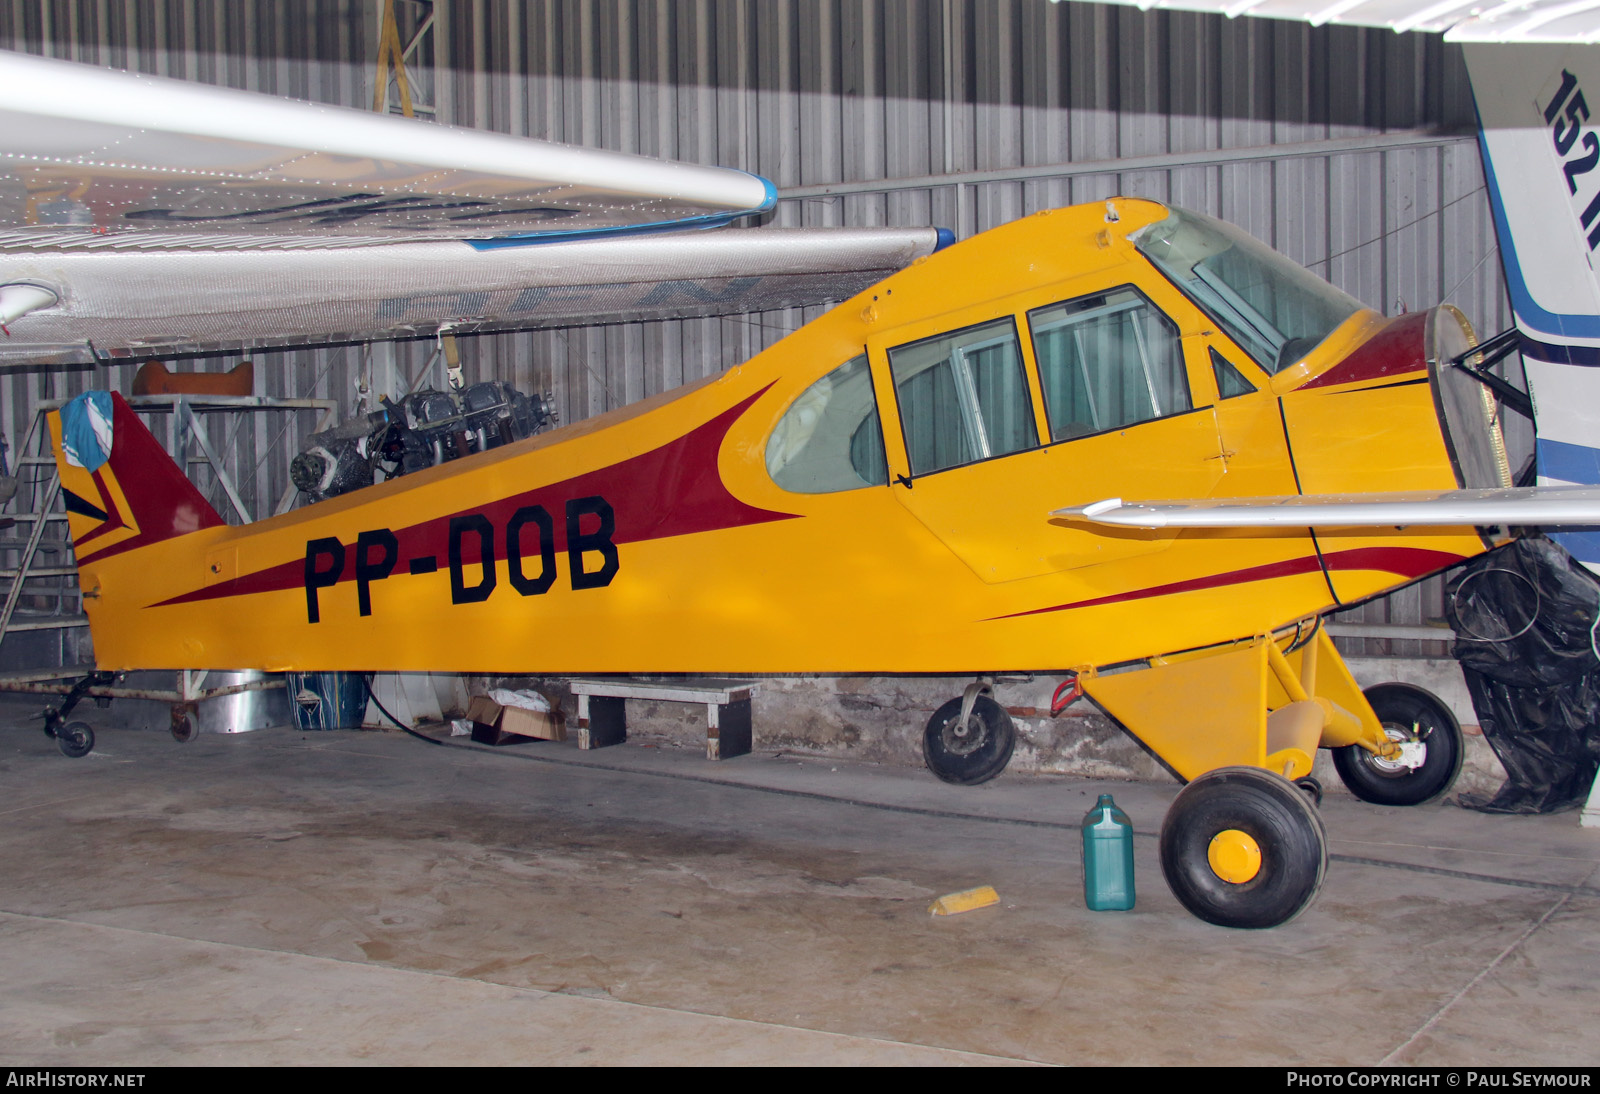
pixel 1243 844
pixel 75 739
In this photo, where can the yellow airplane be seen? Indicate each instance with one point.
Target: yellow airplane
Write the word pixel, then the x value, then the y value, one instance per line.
pixel 883 492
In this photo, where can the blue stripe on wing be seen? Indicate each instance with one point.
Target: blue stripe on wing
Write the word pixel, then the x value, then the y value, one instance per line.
pixel 569 235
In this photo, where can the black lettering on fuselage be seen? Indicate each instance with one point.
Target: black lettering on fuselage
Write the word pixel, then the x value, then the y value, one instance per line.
pixel 477 524
pixel 368 571
pixel 579 541
pixel 377 554
pixel 539 517
pixel 331 554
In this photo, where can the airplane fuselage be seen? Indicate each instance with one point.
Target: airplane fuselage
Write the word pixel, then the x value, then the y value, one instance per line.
pixel 871 494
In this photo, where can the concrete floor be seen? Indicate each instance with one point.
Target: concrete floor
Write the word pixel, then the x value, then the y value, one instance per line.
pixel 279 898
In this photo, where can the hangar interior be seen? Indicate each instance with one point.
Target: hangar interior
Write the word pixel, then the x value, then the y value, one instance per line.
pixel 367 898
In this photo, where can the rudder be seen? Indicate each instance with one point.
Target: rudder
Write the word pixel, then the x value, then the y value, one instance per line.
pixel 125 495
pixel 1540 139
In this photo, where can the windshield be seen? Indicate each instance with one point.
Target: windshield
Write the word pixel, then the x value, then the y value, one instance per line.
pixel 1276 310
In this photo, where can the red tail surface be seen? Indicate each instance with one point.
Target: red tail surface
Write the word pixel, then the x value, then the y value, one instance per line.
pixel 136 497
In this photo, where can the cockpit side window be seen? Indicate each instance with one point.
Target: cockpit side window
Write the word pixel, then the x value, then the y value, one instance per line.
pixel 1230 381
pixel 1107 361
pixel 829 439
pixel 963 397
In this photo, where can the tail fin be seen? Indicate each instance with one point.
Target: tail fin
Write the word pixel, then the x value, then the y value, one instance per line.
pixel 121 491
pixel 1541 161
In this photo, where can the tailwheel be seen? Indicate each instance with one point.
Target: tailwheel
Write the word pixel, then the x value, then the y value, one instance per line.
pixel 1243 847
pixel 1429 756
pixel 75 739
pixel 971 751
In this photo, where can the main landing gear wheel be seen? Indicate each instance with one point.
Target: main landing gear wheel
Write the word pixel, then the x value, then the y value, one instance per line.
pixel 1243 847
pixel 1430 749
pixel 972 753
pixel 75 739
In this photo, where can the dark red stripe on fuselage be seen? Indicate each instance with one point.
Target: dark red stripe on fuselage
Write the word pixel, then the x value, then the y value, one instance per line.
pixel 673 490
pixel 1408 562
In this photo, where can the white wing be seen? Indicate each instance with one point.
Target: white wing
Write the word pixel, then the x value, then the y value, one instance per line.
pixel 101 300
pixel 145 217
pixel 1524 506
pixel 118 151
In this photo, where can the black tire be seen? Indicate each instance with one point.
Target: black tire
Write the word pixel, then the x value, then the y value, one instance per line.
pixel 976 756
pixel 1271 811
pixel 1406 712
pixel 183 730
pixel 75 739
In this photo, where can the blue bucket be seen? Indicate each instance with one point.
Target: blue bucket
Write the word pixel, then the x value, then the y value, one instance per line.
pixel 328 700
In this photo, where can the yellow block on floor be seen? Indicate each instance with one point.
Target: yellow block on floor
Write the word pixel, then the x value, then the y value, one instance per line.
pixel 965 901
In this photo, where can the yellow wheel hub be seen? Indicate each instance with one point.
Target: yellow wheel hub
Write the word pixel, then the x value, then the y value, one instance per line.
pixel 1235 856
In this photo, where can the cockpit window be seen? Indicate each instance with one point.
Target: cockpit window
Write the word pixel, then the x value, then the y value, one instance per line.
pixel 1230 381
pixel 963 397
pixel 1106 361
pixel 829 440
pixel 1275 310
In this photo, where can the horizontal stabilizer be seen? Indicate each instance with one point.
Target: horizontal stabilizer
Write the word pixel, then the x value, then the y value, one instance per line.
pixel 1524 506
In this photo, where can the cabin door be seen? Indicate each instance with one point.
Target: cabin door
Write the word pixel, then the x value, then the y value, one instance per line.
pixel 995 432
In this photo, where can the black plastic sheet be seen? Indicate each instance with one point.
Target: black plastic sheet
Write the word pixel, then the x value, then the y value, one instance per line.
pixel 1525 617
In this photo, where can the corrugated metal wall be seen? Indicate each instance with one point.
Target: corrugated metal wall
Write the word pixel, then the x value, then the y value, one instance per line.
pixel 850 106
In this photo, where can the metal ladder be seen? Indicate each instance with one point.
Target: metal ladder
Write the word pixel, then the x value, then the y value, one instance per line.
pixel 36 563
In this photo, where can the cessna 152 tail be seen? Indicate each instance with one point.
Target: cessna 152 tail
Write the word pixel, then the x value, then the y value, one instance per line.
pixel 882 492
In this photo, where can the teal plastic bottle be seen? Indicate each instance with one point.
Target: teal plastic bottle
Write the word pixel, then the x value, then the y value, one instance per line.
pixel 1107 858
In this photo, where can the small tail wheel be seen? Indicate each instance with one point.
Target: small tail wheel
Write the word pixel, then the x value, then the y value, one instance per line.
pixel 183 729
pixel 75 739
pixel 1312 787
pixel 1243 847
pixel 1431 749
pixel 972 753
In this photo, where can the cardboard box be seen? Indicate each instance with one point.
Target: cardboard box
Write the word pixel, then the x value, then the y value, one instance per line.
pixel 494 724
